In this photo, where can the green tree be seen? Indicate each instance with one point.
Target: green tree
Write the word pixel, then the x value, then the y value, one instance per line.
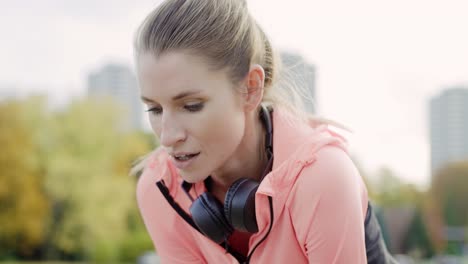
pixel 24 206
pixel 65 192
pixel 417 239
pixel 137 240
pixel 448 195
pixel 392 192
pixel 88 165
pixel 449 191
pixel 389 190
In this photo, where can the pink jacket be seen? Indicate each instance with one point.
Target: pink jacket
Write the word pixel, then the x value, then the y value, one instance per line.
pixel 319 204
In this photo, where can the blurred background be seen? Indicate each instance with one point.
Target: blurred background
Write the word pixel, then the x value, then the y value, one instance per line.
pixel 71 123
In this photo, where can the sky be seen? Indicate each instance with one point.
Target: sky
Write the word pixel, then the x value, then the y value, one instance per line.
pixel 378 62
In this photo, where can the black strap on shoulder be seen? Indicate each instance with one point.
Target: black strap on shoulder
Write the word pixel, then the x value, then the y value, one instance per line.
pixel 165 192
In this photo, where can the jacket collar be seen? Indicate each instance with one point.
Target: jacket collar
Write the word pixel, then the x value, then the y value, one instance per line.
pixel 295 144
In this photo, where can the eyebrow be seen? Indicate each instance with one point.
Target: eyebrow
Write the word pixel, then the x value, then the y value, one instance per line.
pixel 175 98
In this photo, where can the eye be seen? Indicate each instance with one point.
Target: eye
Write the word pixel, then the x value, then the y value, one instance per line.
pixel 155 110
pixel 194 107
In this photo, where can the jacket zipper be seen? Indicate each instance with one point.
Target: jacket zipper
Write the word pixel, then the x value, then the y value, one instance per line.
pixel 268 232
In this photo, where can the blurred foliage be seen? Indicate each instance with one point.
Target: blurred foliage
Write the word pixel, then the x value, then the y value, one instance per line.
pixel 24 207
pixel 449 196
pixel 444 204
pixel 65 192
pixel 417 242
pixel 389 190
pixel 449 191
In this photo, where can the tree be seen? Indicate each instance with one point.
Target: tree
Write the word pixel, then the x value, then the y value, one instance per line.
pixel 449 192
pixel 87 178
pixel 417 239
pixel 392 192
pixel 24 206
pixel 389 190
pixel 448 195
pixel 65 192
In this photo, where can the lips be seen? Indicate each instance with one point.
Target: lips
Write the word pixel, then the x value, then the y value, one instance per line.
pixel 183 160
pixel 184 157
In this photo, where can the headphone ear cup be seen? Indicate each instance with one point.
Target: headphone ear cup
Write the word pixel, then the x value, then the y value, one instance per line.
pixel 239 205
pixel 207 213
pixel 228 199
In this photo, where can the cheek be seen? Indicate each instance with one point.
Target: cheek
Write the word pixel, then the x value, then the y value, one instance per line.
pixel 155 124
pixel 222 133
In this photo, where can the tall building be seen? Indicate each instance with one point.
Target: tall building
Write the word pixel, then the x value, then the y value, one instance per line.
pixel 119 82
pixel 449 127
pixel 296 71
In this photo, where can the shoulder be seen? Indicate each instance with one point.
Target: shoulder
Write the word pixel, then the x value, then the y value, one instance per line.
pixel 330 177
pixel 332 164
pixel 327 196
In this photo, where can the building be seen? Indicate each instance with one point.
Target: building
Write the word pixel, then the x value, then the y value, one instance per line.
pixel 296 71
pixel 119 82
pixel 448 127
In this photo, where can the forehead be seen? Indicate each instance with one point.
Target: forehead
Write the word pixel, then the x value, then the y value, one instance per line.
pixel 173 72
pixel 168 64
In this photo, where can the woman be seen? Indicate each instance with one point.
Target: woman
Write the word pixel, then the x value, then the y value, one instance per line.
pixel 233 180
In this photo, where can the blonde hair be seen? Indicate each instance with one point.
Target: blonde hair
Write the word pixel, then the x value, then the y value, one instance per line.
pixel 225 34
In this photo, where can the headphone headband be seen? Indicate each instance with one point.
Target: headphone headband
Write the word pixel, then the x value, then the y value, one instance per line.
pixel 266 120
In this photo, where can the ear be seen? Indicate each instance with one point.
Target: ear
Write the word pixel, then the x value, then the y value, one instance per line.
pixel 254 84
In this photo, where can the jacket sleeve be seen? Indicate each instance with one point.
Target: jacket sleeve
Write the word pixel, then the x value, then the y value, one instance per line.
pixel 327 208
pixel 172 240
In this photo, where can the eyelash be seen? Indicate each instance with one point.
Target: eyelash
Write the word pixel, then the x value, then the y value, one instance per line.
pixel 191 108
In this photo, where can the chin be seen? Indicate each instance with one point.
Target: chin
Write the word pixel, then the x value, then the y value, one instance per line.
pixel 192 177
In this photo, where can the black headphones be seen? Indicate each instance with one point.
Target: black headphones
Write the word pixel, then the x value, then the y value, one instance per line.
pixel 218 221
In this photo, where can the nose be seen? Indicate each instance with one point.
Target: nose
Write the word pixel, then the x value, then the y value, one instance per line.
pixel 172 131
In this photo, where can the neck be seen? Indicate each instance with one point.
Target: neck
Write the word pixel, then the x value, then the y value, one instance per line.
pixel 248 161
